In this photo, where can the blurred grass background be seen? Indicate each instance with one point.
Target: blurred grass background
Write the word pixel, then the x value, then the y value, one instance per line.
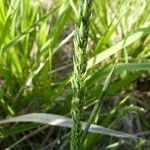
pixel 36 49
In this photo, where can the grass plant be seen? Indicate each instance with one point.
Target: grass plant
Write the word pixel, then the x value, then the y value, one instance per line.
pixel 54 60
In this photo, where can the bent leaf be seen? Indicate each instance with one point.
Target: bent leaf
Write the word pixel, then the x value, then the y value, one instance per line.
pixel 61 121
pixel 117 47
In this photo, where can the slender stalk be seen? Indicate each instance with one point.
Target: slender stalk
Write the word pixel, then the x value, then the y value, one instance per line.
pixel 80 65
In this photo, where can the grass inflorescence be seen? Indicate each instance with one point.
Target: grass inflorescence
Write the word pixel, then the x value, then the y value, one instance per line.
pixel 80 65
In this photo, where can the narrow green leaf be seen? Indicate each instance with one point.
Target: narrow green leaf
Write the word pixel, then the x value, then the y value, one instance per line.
pixel 15 130
pixel 61 121
pixel 119 46
pixel 27 31
pixel 99 102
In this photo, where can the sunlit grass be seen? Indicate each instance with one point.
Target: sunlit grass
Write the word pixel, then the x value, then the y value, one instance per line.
pixel 36 50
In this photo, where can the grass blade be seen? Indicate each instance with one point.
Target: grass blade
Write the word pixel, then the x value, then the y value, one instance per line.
pixel 119 46
pixel 61 121
pixel 99 102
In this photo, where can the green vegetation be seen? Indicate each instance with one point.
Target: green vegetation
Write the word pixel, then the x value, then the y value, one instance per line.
pixel 79 74
pixel 38 73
